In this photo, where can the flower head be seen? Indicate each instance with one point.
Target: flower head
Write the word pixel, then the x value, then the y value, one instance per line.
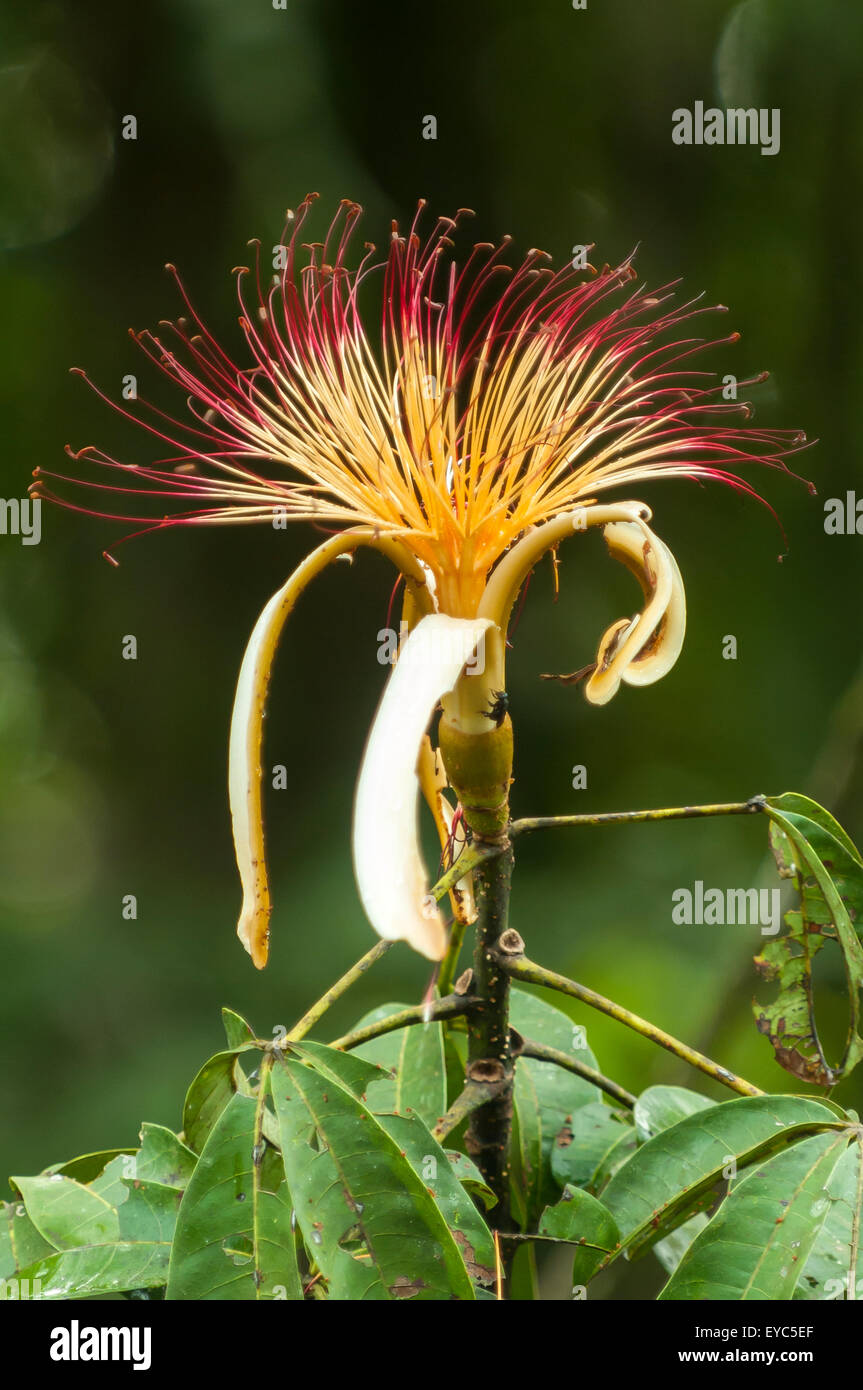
pixel 480 425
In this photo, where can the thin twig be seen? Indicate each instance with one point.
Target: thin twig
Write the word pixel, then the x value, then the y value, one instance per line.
pixel 521 969
pixel 448 1007
pixel 541 1053
pixel 722 808
pixel 317 1011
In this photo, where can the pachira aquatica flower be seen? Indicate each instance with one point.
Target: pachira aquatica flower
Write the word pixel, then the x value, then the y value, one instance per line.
pixel 472 430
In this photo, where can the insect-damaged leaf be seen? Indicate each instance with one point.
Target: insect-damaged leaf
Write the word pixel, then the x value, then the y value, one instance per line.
pixel 592 1142
pixel 369 1221
pixel 234 1238
pixel 813 850
pixel 755 1246
pixel 680 1171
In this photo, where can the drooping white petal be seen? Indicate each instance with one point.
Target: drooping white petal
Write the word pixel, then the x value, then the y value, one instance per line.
pixel 391 876
pixel 643 649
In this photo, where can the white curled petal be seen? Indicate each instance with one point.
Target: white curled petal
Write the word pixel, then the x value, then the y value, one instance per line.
pixel 390 873
pixel 647 639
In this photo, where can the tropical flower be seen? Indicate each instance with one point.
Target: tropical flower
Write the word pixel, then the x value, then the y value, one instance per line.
pixel 482 427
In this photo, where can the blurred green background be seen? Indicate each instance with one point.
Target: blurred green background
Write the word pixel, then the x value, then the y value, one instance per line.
pixel 555 126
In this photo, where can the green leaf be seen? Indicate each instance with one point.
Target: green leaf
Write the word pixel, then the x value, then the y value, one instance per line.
pixel 810 847
pixel 234 1239
pixel 756 1244
pixel 660 1107
pixel 20 1242
pixel 163 1158
pixel 237 1030
pixel 100 1269
pixel 671 1250
pixel 368 1220
pixel 87 1166
pixel 677 1173
pixel 435 1168
pixel 110 1184
pixel 582 1149
pixel 581 1218
pixel 68 1214
pixel 471 1178
pixel 416 1057
pixel 149 1213
pixel 349 1070
pixel 834 1269
pixel 545 1098
pixel 219 1079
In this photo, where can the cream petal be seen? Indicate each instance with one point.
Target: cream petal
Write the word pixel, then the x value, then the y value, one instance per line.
pixel 390 873
pixel 643 649
pixel 247 722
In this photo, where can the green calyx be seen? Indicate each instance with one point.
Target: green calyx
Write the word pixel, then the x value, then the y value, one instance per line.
pixel 479 770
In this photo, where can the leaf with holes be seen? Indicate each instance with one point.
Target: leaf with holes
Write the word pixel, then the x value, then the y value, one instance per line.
pixel 369 1221
pixel 755 1246
pixel 583 1149
pixel 811 848
pixel 681 1171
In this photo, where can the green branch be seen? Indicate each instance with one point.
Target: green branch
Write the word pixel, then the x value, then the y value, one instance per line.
pixel 521 969
pixel 541 1053
pixel 448 1007
pixel 317 1011
pixel 721 808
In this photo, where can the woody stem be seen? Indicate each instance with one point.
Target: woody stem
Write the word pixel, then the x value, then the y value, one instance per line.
pixel 490 1060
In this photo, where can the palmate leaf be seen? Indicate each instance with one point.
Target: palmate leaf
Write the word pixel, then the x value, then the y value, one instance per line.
pixel 545 1099
pixel 813 849
pixel 834 1269
pixel 680 1171
pixel 234 1237
pixel 755 1246
pixel 369 1221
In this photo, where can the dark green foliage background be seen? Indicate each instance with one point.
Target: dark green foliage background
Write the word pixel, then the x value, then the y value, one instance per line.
pixel 555 125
